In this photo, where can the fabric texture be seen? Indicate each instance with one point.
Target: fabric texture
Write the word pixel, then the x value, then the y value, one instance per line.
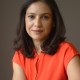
pixel 47 67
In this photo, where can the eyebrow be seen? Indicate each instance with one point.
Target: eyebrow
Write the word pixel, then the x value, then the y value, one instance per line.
pixel 40 14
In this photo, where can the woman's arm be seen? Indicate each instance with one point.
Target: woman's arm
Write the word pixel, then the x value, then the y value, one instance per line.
pixel 18 73
pixel 73 69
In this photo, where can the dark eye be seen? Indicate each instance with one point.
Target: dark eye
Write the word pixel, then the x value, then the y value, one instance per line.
pixel 31 16
pixel 45 17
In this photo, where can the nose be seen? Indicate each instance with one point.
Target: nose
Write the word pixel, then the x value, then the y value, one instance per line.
pixel 37 22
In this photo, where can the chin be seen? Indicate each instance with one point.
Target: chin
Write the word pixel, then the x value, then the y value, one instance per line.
pixel 38 38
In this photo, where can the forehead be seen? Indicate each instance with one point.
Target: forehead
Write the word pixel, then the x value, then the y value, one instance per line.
pixel 38 8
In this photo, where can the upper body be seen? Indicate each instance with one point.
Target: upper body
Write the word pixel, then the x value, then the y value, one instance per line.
pixel 41 52
pixel 60 66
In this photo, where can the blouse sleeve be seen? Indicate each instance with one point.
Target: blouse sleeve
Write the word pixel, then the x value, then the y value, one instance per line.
pixel 18 58
pixel 71 51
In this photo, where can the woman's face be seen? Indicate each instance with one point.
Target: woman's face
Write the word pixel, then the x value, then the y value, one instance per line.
pixel 38 20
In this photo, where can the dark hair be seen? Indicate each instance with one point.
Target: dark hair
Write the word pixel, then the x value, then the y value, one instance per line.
pixel 24 42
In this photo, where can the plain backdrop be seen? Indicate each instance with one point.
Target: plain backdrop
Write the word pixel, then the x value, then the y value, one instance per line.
pixel 9 17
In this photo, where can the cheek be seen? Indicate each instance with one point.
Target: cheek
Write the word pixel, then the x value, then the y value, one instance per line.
pixel 27 27
pixel 48 26
pixel 28 24
pixel 28 30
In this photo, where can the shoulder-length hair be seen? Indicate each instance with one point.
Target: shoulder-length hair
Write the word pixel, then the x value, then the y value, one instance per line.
pixel 24 42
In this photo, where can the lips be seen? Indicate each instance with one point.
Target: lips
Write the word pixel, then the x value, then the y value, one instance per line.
pixel 37 30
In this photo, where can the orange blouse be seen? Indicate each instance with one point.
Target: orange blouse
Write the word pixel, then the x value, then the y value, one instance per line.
pixel 45 66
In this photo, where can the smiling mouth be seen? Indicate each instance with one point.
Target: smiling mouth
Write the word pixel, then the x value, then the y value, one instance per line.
pixel 37 31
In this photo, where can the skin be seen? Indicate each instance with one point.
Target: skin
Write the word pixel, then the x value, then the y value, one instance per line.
pixel 38 26
pixel 73 69
pixel 18 73
pixel 38 21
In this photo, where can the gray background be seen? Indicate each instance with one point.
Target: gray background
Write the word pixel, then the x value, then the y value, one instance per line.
pixel 9 17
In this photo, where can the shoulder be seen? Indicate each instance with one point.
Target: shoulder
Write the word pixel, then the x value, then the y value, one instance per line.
pixel 68 51
pixel 68 46
pixel 18 54
pixel 19 58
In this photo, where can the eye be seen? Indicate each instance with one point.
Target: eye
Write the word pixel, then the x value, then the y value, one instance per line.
pixel 45 17
pixel 31 17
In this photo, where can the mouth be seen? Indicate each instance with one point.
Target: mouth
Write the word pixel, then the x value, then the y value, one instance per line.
pixel 37 31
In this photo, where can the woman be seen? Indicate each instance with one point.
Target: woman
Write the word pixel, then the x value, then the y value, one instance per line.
pixel 41 52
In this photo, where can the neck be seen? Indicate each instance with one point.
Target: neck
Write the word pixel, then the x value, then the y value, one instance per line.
pixel 37 45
